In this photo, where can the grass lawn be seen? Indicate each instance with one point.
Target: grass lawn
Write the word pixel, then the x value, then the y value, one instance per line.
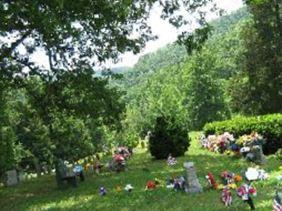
pixel 41 193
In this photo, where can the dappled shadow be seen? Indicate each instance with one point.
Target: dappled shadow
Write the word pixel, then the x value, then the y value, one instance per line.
pixel 41 194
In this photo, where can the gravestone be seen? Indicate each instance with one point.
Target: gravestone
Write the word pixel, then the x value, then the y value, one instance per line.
pixel 193 184
pixel 91 169
pixel 11 178
pixel 259 157
pixel 21 176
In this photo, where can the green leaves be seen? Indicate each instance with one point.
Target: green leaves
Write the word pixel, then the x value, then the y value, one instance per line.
pixel 269 126
pixel 168 136
pixel 191 88
pixel 11 151
pixel 71 137
pixel 259 82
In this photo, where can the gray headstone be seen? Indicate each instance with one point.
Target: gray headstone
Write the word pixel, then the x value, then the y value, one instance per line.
pixel 21 176
pixel 91 169
pixel 259 157
pixel 193 184
pixel 11 178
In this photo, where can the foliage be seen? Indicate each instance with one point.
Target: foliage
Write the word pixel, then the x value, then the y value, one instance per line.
pixel 75 36
pixel 92 32
pixel 269 126
pixel 32 133
pixel 257 89
pixel 224 38
pixel 226 23
pixel 11 151
pixel 72 106
pixel 69 118
pixel 190 88
pixel 168 137
pixel 72 139
pixel 205 98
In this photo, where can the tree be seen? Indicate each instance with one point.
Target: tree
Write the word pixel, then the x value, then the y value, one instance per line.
pixel 74 35
pixel 262 60
pixel 11 150
pixel 33 134
pixel 68 108
pixel 205 97
pixel 79 32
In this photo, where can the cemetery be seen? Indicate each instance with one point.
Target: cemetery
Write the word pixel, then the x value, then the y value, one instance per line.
pixel 140 105
pixel 215 181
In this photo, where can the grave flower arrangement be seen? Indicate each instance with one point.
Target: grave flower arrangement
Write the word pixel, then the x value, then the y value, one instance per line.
pixel 250 140
pixel 218 143
pixel 176 183
pixel 227 144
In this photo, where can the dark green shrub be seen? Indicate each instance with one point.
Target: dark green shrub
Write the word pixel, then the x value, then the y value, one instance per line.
pixel 168 137
pixel 269 126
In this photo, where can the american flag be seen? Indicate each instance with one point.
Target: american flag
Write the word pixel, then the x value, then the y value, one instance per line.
pixel 226 196
pixel 277 206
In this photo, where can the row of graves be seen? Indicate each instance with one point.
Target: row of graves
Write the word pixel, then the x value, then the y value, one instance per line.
pixel 230 186
pixel 241 184
pixel 70 173
pixel 247 146
pixel 229 183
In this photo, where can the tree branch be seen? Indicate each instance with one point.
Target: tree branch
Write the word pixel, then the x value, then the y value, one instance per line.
pixel 6 52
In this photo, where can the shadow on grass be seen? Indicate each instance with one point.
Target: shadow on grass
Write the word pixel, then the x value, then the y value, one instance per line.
pixel 41 194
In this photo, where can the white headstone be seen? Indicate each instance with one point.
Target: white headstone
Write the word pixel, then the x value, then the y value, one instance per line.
pixel 11 178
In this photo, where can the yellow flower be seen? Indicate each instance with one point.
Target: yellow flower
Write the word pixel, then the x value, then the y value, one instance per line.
pixel 232 186
pixel 118 188
pixel 220 186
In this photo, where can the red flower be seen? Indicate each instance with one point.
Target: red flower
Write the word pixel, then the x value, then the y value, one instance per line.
pixel 150 185
pixel 252 191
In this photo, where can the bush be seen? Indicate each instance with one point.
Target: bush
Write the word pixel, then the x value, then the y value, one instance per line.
pixel 168 137
pixel 269 126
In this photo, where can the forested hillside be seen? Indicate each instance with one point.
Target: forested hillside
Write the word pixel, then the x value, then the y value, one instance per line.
pixel 175 53
pixel 191 88
pixel 208 85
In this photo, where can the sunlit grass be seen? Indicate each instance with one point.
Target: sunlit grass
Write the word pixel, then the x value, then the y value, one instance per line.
pixel 42 194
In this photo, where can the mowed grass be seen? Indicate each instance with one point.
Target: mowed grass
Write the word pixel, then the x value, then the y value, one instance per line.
pixel 42 194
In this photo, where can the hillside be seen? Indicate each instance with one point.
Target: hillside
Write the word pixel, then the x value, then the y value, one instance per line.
pixel 174 53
